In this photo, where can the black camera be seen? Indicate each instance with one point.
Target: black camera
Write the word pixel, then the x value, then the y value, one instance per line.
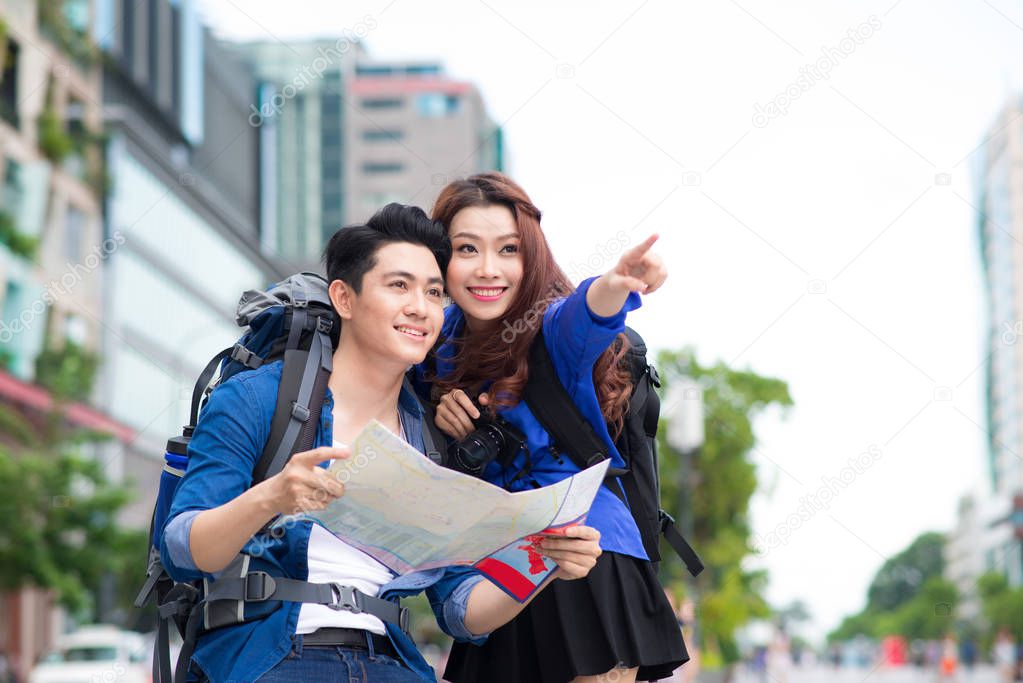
pixel 493 439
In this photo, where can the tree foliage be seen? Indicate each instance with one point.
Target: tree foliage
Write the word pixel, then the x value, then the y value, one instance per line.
pixel 715 488
pixel 907 596
pixel 903 576
pixel 59 510
pixel 1002 606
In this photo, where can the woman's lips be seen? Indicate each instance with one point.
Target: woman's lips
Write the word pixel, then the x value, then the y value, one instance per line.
pixel 487 293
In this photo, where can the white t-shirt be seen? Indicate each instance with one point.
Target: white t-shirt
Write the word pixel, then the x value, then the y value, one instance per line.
pixel 332 560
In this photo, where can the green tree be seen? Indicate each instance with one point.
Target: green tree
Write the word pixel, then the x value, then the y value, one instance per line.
pixel 1002 606
pixel 59 510
pixel 902 577
pixel 928 614
pixel 907 596
pixel 717 487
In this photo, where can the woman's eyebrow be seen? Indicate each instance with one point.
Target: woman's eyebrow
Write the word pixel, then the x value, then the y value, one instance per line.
pixel 473 236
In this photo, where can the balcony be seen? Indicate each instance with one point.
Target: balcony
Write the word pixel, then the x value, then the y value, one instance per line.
pixel 67 372
pixel 74 148
pixel 66 23
pixel 17 242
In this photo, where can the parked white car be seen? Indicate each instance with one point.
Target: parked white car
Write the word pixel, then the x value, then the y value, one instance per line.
pixel 96 654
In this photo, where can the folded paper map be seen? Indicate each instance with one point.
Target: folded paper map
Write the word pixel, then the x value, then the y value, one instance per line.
pixel 409 513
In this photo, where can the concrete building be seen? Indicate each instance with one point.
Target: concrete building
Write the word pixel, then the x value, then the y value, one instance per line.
pixel 184 205
pixel 970 550
pixel 297 109
pixel 1000 185
pixel 50 174
pixel 411 129
pixel 342 135
pixel 52 252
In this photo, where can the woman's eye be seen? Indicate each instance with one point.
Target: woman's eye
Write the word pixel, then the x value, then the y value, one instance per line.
pixel 466 248
pixel 510 249
pixel 436 293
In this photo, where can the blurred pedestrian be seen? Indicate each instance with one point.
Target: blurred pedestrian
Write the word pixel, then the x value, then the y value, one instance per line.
pixel 968 653
pixel 1004 654
pixel 949 659
pixel 779 656
pixel 835 655
pixel 686 616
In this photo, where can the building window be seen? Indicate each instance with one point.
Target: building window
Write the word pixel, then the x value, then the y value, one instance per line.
pixel 436 105
pixel 74 230
pixel 9 84
pixel 331 139
pixel 372 201
pixel 13 189
pixel 383 103
pixel 376 167
pixel 12 307
pixel 378 135
pixel 128 32
pixel 373 70
pixel 423 69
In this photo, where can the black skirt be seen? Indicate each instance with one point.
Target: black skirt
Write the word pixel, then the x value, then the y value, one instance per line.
pixel 618 616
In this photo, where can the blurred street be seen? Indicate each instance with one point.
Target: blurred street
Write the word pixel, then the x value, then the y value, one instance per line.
pixel 826 674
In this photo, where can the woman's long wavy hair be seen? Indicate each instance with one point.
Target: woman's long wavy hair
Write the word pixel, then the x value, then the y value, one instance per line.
pixel 485 356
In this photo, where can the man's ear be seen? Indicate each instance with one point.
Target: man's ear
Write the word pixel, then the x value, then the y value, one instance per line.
pixel 341 296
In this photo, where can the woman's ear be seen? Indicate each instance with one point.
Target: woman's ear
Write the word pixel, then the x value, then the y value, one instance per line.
pixel 341 297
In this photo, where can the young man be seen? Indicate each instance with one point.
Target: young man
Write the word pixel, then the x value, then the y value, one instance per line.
pixel 386 285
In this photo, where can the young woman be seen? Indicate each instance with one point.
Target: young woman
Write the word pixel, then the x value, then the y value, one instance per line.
pixel 505 285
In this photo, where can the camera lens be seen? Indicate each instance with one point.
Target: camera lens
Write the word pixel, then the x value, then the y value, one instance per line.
pixel 472 453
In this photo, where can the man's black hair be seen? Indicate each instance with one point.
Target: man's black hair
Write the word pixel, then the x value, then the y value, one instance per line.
pixel 352 251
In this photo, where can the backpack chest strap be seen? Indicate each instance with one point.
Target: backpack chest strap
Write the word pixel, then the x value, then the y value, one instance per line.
pixel 260 586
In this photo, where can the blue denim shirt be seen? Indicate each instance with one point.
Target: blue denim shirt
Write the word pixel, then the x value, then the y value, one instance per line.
pixel 223 452
pixel 575 338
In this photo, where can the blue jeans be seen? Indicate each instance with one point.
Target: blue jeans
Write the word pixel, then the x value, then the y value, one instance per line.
pixel 322 664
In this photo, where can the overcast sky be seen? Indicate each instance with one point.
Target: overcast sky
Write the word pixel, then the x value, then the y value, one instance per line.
pixel 832 245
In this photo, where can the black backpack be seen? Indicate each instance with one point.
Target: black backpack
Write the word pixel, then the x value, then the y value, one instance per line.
pixel 573 436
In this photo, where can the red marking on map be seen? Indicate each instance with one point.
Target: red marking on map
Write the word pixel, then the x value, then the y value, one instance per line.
pixel 536 563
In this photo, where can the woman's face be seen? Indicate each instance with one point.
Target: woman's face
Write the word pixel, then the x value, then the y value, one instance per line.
pixel 486 265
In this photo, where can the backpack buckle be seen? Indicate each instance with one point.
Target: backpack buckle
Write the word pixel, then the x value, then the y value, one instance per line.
pixel 324 324
pixel 259 586
pixel 299 412
pixel 245 357
pixel 665 520
pixel 403 619
pixel 344 598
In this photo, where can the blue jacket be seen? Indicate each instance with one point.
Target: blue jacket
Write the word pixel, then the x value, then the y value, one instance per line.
pixel 575 338
pixel 223 452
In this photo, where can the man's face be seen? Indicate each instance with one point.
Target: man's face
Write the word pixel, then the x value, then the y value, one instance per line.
pixel 398 314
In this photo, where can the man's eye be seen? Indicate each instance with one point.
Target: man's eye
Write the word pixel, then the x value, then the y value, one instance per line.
pixel 436 293
pixel 399 283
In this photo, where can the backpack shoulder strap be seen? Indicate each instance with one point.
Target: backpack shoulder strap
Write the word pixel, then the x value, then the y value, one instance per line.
pixel 558 414
pixel 299 399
